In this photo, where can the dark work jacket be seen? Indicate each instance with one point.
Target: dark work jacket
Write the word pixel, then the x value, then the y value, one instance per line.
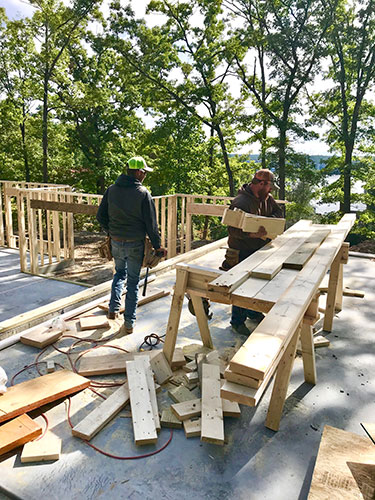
pixel 246 201
pixel 127 211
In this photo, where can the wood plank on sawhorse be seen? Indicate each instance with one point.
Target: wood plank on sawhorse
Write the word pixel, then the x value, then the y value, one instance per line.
pixel 17 432
pixel 27 396
pixel 104 413
pixel 212 409
pixel 142 413
pixel 300 256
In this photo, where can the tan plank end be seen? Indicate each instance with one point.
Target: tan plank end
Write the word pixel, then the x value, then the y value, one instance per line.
pixel 168 419
pixel 93 322
pixel 46 449
pixel 192 428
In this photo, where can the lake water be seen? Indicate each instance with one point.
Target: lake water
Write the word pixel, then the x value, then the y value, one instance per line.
pixel 324 208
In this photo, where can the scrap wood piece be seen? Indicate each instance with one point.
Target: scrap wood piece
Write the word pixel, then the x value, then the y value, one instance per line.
pixel 93 322
pixel 230 408
pixel 102 414
pixel 191 377
pixel 193 428
pixel 160 367
pixel 190 350
pixel 319 341
pixel 212 409
pixel 178 359
pixel 45 449
pixel 344 467
pixel 104 364
pixel 142 414
pixel 187 409
pixel 39 391
pixel 41 337
pixel 302 254
pixel 17 432
pixel 105 307
pixel 50 366
pixel 169 419
pixel 370 431
pixel 190 367
pixel 180 394
pixel 151 388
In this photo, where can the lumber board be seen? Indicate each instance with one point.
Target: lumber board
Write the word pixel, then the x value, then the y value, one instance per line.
pixel 27 396
pixel 169 419
pixel 190 367
pixel 180 394
pixel 93 322
pixel 274 289
pixel 145 360
pixel 205 209
pixel 344 468
pixel 18 432
pixel 192 428
pixel 212 408
pixel 259 351
pixel 237 378
pixel 302 254
pixel 191 377
pixel 187 409
pixel 102 414
pixel 273 264
pixel 104 364
pixel 233 278
pixel 41 337
pixel 273 225
pixel 161 368
pixel 142 414
pixel 230 408
pixel 74 208
pixel 47 448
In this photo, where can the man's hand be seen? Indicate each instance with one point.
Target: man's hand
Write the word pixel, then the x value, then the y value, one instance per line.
pixel 262 233
pixel 161 252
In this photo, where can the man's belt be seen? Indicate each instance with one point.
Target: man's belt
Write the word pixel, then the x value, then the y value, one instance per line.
pixel 123 240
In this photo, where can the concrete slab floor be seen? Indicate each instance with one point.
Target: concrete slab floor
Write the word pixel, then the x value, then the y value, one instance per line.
pixel 21 292
pixel 255 463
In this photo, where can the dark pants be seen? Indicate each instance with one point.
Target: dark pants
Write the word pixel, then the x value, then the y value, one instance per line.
pixel 239 314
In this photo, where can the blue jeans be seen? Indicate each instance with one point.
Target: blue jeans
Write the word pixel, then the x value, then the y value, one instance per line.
pixel 128 258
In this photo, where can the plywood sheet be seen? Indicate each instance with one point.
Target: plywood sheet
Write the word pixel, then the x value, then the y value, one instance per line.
pixel 345 467
pixel 17 432
pixel 34 393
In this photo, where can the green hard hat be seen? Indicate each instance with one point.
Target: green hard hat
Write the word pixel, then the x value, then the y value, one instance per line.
pixel 138 163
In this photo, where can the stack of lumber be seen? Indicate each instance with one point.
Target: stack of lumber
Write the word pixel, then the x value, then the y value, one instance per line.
pixel 253 365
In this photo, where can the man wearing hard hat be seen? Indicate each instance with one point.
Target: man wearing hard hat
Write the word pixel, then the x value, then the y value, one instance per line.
pixel 127 213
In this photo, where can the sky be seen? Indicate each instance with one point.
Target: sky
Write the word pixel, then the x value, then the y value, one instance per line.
pixel 16 9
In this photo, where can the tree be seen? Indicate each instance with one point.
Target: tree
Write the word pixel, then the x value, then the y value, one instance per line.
pixel 194 53
pixel 288 41
pixel 351 43
pixel 56 26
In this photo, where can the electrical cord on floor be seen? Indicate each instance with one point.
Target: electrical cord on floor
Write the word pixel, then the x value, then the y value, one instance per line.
pixel 151 341
pixel 110 455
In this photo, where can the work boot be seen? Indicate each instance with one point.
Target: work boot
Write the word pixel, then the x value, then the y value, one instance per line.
pixel 255 316
pixel 241 329
pixel 112 315
pixel 125 330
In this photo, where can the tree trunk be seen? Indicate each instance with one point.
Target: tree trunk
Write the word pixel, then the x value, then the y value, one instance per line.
pixel 226 160
pixel 24 150
pixel 347 175
pixel 100 185
pixel 282 156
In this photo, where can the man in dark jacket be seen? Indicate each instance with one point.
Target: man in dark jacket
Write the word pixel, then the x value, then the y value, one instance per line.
pixel 253 198
pixel 127 213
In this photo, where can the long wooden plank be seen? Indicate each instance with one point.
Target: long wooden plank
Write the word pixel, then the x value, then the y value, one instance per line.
pixel 41 337
pixel 17 432
pixel 212 409
pixel 237 378
pixel 273 264
pixel 233 278
pixel 102 414
pixel 46 449
pixel 256 355
pixel 344 468
pixel 142 414
pixel 151 388
pixel 104 364
pixel 300 256
pixel 26 396
pixel 205 209
pixel 73 208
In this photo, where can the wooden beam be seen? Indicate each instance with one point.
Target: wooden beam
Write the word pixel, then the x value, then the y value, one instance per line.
pixel 18 432
pixel 102 414
pixel 212 409
pixel 205 209
pixel 202 321
pixel 302 254
pixel 27 396
pixel 59 206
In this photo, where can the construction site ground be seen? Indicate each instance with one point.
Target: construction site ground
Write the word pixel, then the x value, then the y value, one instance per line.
pixel 255 462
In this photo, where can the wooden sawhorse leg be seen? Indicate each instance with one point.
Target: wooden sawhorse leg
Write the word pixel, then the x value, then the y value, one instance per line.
pixel 202 321
pixel 175 314
pixel 308 353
